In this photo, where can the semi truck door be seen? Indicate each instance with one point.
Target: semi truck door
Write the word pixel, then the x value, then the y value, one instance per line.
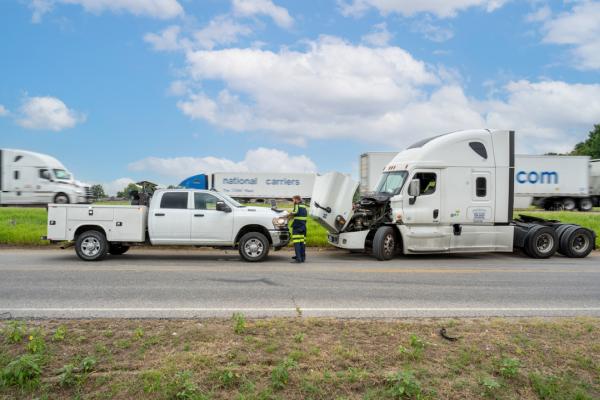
pixel 422 217
pixel 44 192
pixel 171 222
pixel 208 224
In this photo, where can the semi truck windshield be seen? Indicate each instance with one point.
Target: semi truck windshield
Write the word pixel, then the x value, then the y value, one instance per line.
pixel 391 182
pixel 62 174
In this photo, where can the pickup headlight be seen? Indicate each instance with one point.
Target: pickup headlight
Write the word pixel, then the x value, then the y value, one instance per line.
pixel 279 222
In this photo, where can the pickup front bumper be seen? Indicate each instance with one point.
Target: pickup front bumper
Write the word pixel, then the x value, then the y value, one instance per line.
pixel 280 238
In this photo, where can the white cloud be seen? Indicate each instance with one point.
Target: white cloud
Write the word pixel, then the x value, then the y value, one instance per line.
pixel 259 160
pixel 47 113
pixel 335 89
pixel 541 14
pixel 379 37
pixel 3 111
pixel 249 8
pixel 432 31
pixel 111 188
pixel 162 9
pixel 548 115
pixel 579 28
pixel 440 8
pixel 166 40
pixel 222 30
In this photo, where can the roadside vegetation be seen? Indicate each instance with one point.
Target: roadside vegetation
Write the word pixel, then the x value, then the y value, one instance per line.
pixel 25 226
pixel 301 358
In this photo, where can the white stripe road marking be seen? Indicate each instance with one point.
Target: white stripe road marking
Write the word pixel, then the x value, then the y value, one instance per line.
pixel 202 309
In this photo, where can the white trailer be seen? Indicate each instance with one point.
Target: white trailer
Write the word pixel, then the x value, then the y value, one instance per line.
pixel 263 185
pixel 553 182
pixel 451 193
pixel 28 178
pixel 372 165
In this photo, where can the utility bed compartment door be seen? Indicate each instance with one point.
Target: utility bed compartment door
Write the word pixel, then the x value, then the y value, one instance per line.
pixel 332 200
pixel 129 224
pixel 57 222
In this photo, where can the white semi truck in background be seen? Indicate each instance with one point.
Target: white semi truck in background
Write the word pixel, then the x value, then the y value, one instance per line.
pixel 28 178
pixel 551 182
pixel 447 194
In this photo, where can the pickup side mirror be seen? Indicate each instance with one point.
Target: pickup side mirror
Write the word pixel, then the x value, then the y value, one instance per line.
pixel 221 206
pixel 414 190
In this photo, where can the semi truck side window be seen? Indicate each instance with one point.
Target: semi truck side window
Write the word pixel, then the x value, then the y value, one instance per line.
pixel 205 201
pixel 481 187
pixel 44 174
pixel 428 181
pixel 176 200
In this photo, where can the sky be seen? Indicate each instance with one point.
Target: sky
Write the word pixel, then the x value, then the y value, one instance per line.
pixel 125 90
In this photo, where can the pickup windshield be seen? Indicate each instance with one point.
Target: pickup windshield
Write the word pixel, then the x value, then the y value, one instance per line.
pixel 62 174
pixel 391 182
pixel 231 201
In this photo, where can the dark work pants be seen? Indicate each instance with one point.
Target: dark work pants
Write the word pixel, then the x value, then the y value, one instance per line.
pixel 299 238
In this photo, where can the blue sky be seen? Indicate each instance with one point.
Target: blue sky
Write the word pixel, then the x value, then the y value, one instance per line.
pixel 122 90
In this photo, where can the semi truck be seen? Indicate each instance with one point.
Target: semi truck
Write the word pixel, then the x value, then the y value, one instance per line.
pixel 169 217
pixel 451 193
pixel 552 182
pixel 254 185
pixel 28 178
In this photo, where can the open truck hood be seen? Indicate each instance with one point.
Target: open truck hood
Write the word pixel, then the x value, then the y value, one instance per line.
pixel 331 202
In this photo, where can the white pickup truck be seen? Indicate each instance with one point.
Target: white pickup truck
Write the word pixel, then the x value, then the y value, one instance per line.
pixel 174 217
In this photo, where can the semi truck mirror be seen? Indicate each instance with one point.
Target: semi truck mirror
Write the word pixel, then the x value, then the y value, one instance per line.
pixel 414 190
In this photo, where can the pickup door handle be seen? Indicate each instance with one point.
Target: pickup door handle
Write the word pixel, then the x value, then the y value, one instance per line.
pixel 198 215
pixel 436 213
pixel 159 214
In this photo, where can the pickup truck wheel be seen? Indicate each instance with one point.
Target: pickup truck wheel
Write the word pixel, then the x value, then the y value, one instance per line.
pixel 254 247
pixel 576 242
pixel 91 246
pixel 541 242
pixel 117 249
pixel 384 243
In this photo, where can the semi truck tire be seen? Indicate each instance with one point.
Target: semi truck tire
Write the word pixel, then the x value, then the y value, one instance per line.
pixel 585 205
pixel 541 242
pixel 384 243
pixel 91 246
pixel 576 242
pixel 254 247
pixel 61 198
pixel 569 204
pixel 117 249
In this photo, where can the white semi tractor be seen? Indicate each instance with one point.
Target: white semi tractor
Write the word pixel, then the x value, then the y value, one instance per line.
pixel 551 182
pixel 28 178
pixel 447 194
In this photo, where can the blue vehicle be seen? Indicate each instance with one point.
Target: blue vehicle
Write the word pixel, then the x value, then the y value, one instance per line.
pixel 195 182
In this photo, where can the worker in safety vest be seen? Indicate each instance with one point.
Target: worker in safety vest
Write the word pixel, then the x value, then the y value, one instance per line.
pixel 299 215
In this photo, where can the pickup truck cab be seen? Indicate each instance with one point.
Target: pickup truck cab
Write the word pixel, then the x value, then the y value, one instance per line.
pixel 173 217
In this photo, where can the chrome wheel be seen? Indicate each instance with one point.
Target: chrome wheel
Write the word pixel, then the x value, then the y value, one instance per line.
pixel 253 248
pixel 544 243
pixel 90 246
pixel 389 244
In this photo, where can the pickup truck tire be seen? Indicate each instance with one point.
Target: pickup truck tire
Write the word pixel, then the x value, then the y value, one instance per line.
pixel 576 242
pixel 254 247
pixel 117 249
pixel 91 246
pixel 385 243
pixel 541 242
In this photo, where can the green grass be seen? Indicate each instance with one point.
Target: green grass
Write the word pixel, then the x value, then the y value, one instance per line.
pixel 25 226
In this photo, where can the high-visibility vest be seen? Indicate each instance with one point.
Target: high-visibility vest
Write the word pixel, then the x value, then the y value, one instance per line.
pixel 300 215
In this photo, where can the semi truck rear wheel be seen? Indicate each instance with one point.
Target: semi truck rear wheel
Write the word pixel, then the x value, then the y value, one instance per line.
pixel 585 205
pixel 541 242
pixel 384 243
pixel 91 246
pixel 254 247
pixel 576 242
pixel 117 249
pixel 569 204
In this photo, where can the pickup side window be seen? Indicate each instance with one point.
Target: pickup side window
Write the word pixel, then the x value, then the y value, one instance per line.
pixel 178 200
pixel 428 181
pixel 205 201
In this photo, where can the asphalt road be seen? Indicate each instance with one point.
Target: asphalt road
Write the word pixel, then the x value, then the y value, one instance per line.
pixel 200 283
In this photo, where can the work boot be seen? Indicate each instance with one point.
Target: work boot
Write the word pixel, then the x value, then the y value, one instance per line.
pixel 296 262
